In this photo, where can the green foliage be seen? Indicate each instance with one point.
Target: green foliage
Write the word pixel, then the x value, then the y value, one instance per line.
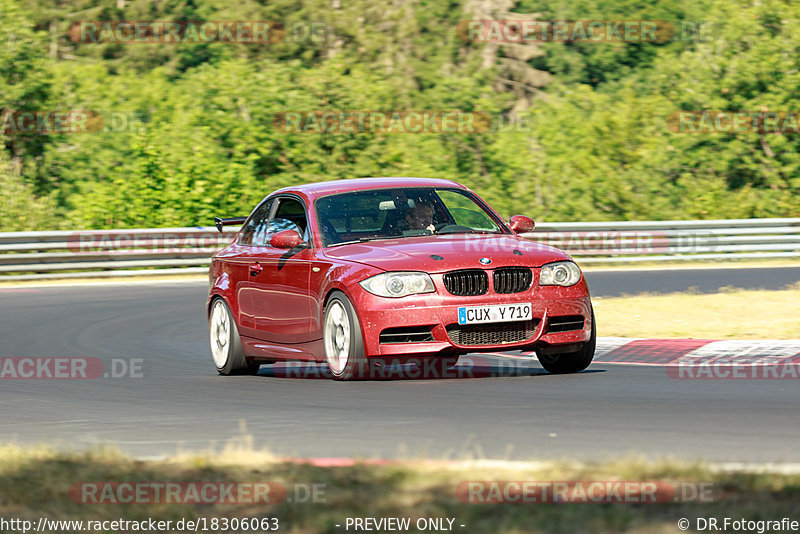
pixel 198 137
pixel 24 79
pixel 20 209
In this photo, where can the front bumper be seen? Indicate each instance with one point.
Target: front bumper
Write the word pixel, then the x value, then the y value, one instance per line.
pixel 439 310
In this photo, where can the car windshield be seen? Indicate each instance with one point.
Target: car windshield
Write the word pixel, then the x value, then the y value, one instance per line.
pixel 407 212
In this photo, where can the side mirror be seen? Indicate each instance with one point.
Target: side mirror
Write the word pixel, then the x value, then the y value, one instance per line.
pixel 521 224
pixel 286 239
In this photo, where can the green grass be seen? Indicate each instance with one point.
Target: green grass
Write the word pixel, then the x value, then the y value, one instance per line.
pixel 35 482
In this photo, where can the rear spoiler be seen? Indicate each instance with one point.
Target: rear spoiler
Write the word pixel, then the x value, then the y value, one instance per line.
pixel 219 222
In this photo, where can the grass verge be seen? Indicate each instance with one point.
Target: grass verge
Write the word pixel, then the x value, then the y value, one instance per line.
pixel 36 483
pixel 732 314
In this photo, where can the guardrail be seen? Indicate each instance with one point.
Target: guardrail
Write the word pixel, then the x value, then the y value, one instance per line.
pixel 166 251
pixel 656 241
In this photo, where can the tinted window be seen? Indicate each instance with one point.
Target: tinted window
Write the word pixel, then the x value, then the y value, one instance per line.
pixel 290 215
pixel 255 229
pixel 465 212
pixel 409 212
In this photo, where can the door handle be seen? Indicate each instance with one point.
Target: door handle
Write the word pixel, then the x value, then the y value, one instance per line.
pixel 256 269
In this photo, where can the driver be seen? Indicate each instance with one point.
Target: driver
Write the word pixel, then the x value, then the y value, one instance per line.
pixel 420 217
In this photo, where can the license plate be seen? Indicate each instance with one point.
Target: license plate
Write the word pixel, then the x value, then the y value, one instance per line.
pixel 502 313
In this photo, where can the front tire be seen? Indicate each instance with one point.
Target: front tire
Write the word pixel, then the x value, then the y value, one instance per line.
pixel 226 346
pixel 344 346
pixel 571 362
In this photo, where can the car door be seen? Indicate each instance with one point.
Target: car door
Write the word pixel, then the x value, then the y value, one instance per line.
pixel 250 244
pixel 280 302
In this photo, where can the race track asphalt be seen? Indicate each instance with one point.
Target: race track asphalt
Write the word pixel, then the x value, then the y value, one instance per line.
pixel 706 280
pixel 179 401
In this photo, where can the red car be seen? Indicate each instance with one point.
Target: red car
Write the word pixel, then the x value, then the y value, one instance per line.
pixel 364 272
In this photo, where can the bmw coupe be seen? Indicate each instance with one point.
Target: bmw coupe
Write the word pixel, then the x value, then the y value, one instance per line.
pixel 362 273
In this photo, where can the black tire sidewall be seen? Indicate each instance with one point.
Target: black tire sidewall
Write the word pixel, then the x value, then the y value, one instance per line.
pixel 572 362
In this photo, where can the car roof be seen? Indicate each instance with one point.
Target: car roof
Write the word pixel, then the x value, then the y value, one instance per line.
pixel 357 184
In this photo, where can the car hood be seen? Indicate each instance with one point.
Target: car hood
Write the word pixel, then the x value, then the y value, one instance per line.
pixel 440 253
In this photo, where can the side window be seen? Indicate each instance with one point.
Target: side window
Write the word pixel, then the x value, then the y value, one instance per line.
pixel 465 212
pixel 290 215
pixel 255 230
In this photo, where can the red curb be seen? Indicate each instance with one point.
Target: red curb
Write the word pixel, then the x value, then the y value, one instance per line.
pixel 653 351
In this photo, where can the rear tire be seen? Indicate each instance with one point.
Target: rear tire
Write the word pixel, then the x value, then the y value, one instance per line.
pixel 571 362
pixel 344 346
pixel 226 346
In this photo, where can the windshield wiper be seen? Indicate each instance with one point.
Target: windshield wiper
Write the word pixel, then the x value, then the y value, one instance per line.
pixel 363 240
pixel 466 231
pixel 406 236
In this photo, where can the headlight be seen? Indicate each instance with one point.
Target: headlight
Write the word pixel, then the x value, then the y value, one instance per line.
pixel 560 273
pixel 398 284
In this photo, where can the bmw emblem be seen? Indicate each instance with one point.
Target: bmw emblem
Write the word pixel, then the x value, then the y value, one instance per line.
pixel 485 261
